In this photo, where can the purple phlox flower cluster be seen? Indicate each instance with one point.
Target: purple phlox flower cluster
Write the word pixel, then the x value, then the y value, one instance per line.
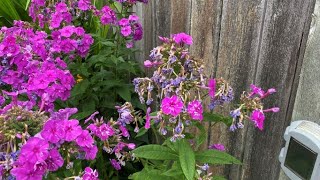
pixel 180 83
pixel 220 92
pixel 108 16
pixel 114 133
pixel 41 154
pixel 131 28
pixel 251 108
pixel 71 40
pixel 90 174
pixel 58 13
pixel 29 61
pixel 35 159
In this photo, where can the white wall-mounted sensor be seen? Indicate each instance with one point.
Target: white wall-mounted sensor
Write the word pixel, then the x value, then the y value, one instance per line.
pixel 300 158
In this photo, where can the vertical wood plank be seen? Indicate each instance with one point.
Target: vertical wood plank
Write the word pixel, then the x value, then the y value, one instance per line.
pixel 283 42
pixel 241 26
pixel 180 16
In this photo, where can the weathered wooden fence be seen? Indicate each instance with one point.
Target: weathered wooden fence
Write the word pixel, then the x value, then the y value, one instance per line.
pixel 244 41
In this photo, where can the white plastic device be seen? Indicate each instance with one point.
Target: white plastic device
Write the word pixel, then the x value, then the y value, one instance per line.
pixel 300 158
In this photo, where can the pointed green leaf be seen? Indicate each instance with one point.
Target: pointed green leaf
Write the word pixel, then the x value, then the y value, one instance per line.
pixel 218 178
pixel 124 92
pixel 216 157
pixel 156 152
pixel 213 117
pixel 148 175
pixel 187 159
pixel 202 136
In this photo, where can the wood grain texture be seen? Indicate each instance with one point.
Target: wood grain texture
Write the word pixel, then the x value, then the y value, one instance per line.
pixel 284 35
pixel 250 41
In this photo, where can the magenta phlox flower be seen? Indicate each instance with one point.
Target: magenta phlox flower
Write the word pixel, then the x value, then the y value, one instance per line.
pixel 84 5
pixel 219 147
pixel 35 149
pixel 124 131
pixel 26 173
pixel 104 131
pixel 274 109
pixel 56 20
pixel 9 47
pixel 53 131
pixel 195 110
pixel 72 129
pixel 258 118
pixel 119 147
pixel 133 18
pixel 90 174
pixel 108 16
pixel 137 32
pixel 212 87
pixel 182 38
pixel 256 90
pixel 148 118
pixel 2 100
pixel 63 114
pixel 61 7
pixel 131 146
pixel 115 164
pixel 124 22
pixel 148 64
pixel 67 31
pixel 54 160
pixel 85 139
pixel 90 152
pixel 126 31
pixel 171 105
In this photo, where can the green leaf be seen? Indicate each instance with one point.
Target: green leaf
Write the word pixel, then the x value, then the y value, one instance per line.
pixel 216 157
pixel 108 43
pixel 148 175
pixel 187 159
pixel 8 10
pixel 141 132
pixel 174 171
pixel 82 115
pixel 201 138
pixel 218 178
pixel 80 88
pixel 156 152
pixel 213 117
pixel 124 92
